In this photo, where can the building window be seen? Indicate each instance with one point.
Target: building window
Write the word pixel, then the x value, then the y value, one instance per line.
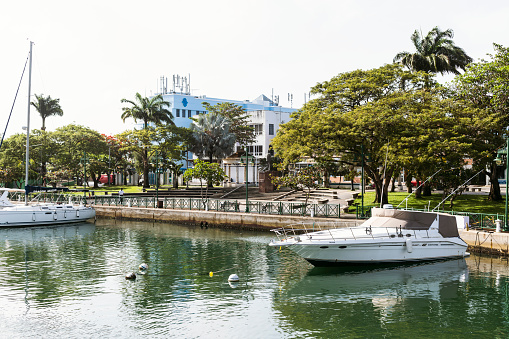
pixel 183 113
pixel 177 111
pixel 189 113
pixel 258 150
pixel 258 129
pixel 271 129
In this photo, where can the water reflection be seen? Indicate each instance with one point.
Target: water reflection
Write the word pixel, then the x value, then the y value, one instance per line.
pixel 380 285
pixel 410 300
pixel 70 281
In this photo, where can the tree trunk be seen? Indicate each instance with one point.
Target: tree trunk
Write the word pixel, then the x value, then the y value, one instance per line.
pixel 494 185
pixel 145 169
pixel 393 186
pixel 426 192
pixel 175 180
pixel 408 183
pixel 418 190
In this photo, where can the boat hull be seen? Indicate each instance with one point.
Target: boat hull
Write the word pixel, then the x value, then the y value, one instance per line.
pixel 344 254
pixel 44 216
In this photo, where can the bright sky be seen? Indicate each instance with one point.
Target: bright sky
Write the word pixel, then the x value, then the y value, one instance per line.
pixel 92 54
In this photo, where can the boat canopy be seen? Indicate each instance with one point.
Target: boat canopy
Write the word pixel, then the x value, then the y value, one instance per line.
pixel 413 220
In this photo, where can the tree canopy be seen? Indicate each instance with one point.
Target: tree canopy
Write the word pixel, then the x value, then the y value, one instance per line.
pixel 363 113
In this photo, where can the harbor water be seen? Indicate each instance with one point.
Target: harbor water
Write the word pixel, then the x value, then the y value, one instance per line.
pixel 70 282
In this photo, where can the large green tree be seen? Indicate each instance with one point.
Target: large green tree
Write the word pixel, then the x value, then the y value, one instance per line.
pixel 78 147
pixel 435 53
pixel 485 86
pixel 368 114
pixel 46 106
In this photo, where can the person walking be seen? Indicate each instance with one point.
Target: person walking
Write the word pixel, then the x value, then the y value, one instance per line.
pixel 121 195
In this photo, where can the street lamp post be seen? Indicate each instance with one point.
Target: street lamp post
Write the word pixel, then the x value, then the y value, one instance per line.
pixel 499 160
pixel 247 179
pixel 246 159
pixel 362 180
pixel 157 180
pixel 506 179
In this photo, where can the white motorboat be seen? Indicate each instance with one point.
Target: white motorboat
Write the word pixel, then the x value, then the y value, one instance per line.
pixel 12 215
pixel 389 236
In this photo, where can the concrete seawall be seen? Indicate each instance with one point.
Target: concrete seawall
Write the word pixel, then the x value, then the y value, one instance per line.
pixel 478 241
pixel 486 242
pixel 220 219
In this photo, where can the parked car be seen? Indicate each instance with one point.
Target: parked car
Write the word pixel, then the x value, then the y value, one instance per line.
pixel 104 179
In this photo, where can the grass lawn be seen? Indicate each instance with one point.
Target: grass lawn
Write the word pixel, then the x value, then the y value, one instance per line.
pixel 463 203
pixel 115 189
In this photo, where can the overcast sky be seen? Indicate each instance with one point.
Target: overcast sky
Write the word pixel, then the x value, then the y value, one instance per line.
pixel 92 54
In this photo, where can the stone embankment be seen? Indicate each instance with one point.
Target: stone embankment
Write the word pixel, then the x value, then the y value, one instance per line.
pixel 486 242
pixel 250 221
pixel 478 241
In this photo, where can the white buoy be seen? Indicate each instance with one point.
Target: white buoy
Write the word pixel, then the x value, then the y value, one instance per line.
pixel 130 276
pixel 233 278
pixel 143 267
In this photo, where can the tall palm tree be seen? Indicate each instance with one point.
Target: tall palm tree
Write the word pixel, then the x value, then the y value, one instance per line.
pixel 152 109
pixel 148 110
pixel 46 106
pixel 212 136
pixel 436 53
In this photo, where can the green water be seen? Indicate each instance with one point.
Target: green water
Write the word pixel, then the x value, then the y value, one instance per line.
pixel 69 282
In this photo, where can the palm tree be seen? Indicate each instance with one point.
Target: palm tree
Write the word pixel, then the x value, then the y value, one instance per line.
pixel 436 53
pixel 148 110
pixel 46 106
pixel 212 136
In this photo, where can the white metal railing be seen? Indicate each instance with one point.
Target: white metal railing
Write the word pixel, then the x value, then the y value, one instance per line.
pixel 292 231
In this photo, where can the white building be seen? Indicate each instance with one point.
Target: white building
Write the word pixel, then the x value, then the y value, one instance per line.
pixel 266 116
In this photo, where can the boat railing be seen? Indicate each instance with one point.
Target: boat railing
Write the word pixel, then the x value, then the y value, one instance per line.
pixel 294 230
pixel 357 233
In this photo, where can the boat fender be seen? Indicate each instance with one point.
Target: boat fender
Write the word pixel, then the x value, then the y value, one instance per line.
pixel 130 276
pixel 409 247
pixel 233 278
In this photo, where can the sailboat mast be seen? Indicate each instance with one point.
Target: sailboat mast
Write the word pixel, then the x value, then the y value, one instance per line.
pixel 27 155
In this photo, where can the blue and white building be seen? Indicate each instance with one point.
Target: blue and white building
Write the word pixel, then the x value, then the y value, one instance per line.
pixel 265 116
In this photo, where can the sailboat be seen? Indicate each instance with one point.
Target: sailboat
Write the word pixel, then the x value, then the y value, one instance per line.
pixel 22 215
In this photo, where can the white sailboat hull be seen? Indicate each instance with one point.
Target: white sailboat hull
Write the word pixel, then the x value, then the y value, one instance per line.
pixel 44 215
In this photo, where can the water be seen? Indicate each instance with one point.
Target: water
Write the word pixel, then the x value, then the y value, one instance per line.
pixel 69 282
